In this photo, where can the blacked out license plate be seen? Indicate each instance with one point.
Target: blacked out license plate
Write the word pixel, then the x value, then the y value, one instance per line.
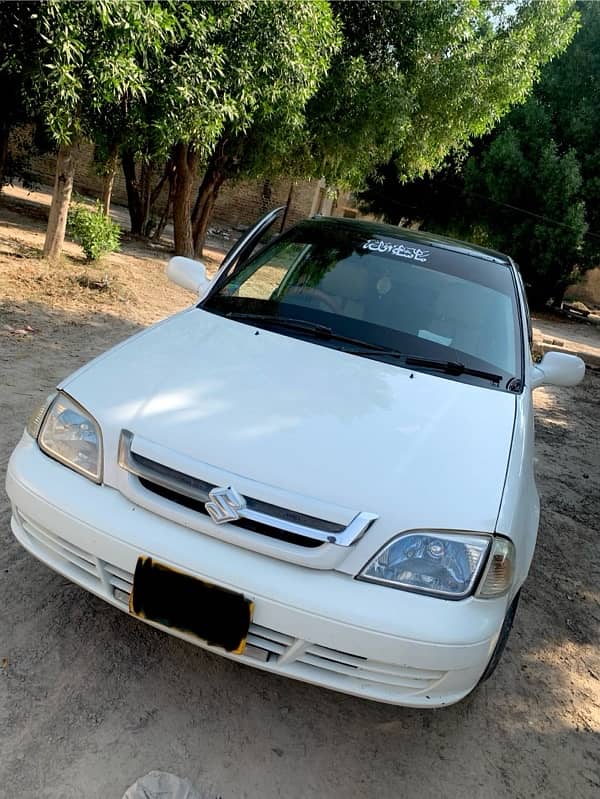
pixel 166 596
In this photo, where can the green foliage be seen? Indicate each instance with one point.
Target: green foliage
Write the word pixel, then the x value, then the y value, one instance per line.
pixel 18 23
pixel 419 79
pixel 17 26
pixel 429 201
pixel 232 89
pixel 524 168
pixel 230 67
pixel 91 55
pixel 571 90
pixel 96 233
pixel 519 192
pixel 532 187
pixel 259 87
pixel 414 78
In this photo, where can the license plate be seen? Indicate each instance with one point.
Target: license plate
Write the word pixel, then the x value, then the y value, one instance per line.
pixel 216 615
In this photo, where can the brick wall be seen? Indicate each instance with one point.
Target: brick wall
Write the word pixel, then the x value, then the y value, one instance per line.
pixel 239 203
pixel 87 181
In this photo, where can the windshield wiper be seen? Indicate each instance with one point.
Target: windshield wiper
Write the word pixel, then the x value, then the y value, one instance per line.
pixel 451 368
pixel 294 324
pixel 321 331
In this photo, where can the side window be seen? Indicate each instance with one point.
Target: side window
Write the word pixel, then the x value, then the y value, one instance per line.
pixel 257 244
pixel 242 249
pixel 261 278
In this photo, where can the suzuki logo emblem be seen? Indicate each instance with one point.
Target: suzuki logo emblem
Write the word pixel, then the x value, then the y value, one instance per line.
pixel 224 505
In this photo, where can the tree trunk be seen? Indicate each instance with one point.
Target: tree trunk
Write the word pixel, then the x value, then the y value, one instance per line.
pixel 186 161
pixel 167 174
pixel 141 197
pixel 145 191
pixel 156 236
pixel 205 215
pixel 4 134
pixel 208 192
pixel 109 179
pixel 217 171
pixel 61 197
pixel 134 199
pixel 204 190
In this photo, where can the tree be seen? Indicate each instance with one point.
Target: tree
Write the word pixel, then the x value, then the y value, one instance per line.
pixel 293 66
pixel 232 65
pixel 87 56
pixel 17 27
pixel 532 186
pixel 570 90
pixel 429 201
pixel 184 113
pixel 519 191
pixel 109 130
pixel 274 55
pixel 418 80
pixel 524 168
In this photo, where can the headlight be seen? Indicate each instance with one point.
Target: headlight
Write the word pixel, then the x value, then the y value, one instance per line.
pixel 70 435
pixel 441 564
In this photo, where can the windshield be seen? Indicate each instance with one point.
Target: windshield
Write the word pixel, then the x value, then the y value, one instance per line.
pixel 381 291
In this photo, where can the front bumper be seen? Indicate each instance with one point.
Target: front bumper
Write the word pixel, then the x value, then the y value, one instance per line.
pixel 321 627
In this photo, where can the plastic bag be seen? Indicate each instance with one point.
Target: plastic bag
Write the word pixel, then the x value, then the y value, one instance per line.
pixel 162 785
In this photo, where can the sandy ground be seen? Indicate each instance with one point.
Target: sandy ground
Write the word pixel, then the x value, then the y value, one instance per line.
pixel 91 699
pixel 580 338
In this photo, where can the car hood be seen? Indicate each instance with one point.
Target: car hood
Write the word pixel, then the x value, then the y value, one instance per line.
pixel 326 428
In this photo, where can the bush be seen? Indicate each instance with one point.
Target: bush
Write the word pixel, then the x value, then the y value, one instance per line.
pixel 96 233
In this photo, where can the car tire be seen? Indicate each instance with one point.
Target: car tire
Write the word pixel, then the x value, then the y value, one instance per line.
pixel 502 639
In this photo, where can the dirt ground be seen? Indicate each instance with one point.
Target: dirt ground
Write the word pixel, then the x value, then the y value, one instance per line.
pixel 91 699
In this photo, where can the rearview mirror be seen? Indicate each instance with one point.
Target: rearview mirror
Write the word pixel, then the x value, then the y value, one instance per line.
pixel 558 369
pixel 188 274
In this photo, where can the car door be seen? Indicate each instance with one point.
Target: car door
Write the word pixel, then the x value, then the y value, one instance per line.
pixel 244 247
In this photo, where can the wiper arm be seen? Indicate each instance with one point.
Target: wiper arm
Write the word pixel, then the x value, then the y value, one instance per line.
pixel 451 368
pixel 294 324
pixel 454 368
pixel 322 331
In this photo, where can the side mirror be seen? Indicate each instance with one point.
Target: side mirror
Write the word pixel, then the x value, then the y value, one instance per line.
pixel 558 369
pixel 188 274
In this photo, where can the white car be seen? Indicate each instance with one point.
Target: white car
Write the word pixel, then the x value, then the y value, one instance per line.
pixel 323 468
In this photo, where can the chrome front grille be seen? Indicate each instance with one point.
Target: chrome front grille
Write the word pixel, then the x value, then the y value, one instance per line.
pixel 246 524
pixel 252 514
pixel 272 649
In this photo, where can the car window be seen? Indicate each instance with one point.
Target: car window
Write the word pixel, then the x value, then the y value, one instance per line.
pixel 423 300
pixel 261 278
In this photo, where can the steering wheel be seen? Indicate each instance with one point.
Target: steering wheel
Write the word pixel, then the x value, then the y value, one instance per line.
pixel 306 292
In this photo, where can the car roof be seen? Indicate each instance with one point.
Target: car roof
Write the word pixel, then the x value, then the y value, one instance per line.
pixel 369 228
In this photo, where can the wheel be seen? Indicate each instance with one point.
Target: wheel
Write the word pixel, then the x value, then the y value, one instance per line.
pixel 502 639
